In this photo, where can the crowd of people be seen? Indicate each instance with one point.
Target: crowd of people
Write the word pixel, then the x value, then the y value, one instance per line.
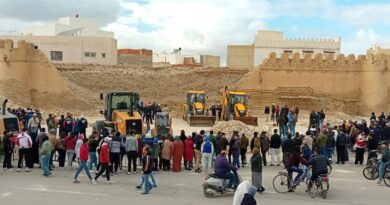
pixel 103 152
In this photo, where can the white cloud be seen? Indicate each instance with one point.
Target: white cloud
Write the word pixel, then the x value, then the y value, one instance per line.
pixel 363 40
pixel 204 26
pixel 365 15
pixel 197 26
pixel 105 11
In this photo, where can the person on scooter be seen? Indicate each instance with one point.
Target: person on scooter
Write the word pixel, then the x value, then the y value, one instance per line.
pixel 319 165
pixel 223 169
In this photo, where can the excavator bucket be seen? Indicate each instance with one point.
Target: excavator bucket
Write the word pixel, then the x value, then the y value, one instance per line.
pixel 201 121
pixel 247 120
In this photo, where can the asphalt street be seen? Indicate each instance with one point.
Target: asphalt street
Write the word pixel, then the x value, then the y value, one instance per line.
pixel 347 186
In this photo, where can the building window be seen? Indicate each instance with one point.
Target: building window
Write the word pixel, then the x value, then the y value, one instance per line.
pixel 329 52
pixel 90 54
pixel 103 55
pixel 307 51
pixel 289 52
pixel 56 55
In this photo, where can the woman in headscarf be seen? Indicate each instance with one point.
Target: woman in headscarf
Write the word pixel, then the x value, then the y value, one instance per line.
pixel 166 154
pixel 241 190
pixel 249 198
pixel 178 147
pixel 188 153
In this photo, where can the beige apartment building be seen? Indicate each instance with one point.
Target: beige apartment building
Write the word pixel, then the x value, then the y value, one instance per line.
pixel 72 40
pixel 266 42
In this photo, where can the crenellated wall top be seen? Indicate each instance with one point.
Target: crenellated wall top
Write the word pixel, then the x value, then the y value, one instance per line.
pixel 326 62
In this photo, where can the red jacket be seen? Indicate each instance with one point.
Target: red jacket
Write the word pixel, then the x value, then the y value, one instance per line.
pixel 84 152
pixel 70 143
pixel 188 150
pixel 104 157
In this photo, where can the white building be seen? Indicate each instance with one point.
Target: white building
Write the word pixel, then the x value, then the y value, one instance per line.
pixel 171 58
pixel 72 40
pixel 273 41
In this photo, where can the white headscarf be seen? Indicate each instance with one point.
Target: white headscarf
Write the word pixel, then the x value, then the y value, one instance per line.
pixel 241 190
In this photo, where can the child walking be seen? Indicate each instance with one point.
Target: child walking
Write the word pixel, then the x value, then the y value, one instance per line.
pixel 83 157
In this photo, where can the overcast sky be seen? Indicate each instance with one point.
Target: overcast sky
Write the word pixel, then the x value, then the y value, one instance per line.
pixel 208 26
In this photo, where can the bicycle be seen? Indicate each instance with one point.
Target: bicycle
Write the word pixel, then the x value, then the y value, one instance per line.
pixel 371 171
pixel 320 185
pixel 282 180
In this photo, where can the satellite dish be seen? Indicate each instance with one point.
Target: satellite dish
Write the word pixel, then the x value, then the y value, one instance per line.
pixel 177 51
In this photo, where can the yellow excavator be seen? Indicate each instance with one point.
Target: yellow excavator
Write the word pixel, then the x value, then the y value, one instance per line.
pixel 8 121
pixel 195 110
pixel 120 113
pixel 235 107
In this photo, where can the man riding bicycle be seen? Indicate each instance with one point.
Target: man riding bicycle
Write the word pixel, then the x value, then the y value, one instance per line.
pixel 293 166
pixel 319 165
pixel 385 161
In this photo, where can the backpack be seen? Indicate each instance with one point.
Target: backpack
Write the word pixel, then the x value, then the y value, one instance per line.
pixel 330 142
pixel 294 119
pixel 265 143
pixel 149 161
pixel 342 140
pixel 68 124
pixel 207 147
pixel 257 142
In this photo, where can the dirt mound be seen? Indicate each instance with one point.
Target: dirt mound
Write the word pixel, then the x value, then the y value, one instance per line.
pixel 228 127
pixel 164 84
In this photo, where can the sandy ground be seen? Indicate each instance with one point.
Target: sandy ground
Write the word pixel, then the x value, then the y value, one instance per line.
pixel 347 187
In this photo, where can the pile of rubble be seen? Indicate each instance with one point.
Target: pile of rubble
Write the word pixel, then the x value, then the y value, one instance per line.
pixel 228 127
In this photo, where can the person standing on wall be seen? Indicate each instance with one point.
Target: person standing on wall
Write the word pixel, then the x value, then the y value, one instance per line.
pixel 273 110
pixel 266 112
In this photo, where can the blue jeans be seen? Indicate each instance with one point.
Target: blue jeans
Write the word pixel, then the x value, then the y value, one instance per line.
pixel 282 130
pixel 92 160
pixel 45 165
pixel 236 160
pixel 148 185
pixel 323 151
pixel 153 180
pixel 382 167
pixel 82 165
pixel 329 153
pixel 291 127
pixel 297 170
pixel 230 176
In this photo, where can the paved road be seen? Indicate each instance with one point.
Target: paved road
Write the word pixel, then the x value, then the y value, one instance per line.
pixel 347 187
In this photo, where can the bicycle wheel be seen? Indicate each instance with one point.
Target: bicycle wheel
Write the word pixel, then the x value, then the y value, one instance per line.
pixel 312 189
pixel 329 170
pixel 280 183
pixel 371 173
pixel 386 177
pixel 321 190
